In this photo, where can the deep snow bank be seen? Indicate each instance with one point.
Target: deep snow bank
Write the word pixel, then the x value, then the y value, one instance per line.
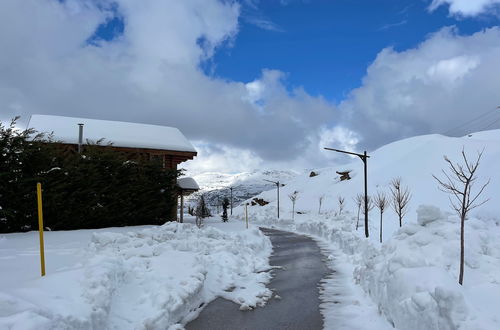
pixel 413 275
pixel 150 279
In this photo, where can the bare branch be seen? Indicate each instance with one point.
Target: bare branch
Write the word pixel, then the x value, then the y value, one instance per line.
pixel 381 201
pixel 471 203
pixel 401 197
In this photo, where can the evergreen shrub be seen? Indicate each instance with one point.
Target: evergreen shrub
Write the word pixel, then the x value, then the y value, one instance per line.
pixel 98 188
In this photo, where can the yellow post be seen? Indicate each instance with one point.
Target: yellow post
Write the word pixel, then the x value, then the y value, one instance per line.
pixel 40 226
pixel 246 213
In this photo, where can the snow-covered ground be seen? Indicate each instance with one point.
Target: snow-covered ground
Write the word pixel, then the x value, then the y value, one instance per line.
pixel 412 278
pixel 160 277
pixel 151 277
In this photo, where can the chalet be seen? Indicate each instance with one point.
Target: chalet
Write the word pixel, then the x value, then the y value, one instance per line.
pixel 137 141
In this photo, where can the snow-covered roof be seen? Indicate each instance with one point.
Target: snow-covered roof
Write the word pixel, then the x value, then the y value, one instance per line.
pixel 187 183
pixel 119 133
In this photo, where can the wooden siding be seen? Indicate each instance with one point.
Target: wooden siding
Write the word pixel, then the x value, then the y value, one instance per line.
pixel 170 158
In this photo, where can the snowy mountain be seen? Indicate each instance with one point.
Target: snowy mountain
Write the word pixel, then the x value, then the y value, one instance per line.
pixel 414 160
pixel 413 275
pixel 215 186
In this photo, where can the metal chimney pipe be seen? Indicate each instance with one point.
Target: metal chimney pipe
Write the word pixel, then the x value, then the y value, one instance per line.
pixel 80 137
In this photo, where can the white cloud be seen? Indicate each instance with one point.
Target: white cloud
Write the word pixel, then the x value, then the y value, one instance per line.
pixel 264 23
pixel 151 73
pixel 338 137
pixel 222 158
pixel 452 70
pixel 466 7
pixel 441 83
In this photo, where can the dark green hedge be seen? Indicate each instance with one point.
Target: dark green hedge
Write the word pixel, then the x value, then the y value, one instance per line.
pixel 95 189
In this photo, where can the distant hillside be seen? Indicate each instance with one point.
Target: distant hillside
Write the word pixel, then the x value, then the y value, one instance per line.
pixel 215 186
pixel 414 160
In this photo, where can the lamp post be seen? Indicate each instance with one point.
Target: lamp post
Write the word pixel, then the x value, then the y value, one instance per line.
pixel 231 189
pixel 364 157
pixel 277 183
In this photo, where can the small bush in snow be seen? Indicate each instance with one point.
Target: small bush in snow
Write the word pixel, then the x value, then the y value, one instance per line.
pixel 458 182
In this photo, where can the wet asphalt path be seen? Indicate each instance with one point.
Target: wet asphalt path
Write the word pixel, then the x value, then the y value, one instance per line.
pixel 297 285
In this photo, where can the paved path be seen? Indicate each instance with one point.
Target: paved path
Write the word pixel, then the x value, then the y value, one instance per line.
pixel 297 284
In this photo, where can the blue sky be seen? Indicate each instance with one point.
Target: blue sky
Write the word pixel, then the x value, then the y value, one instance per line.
pixel 326 46
pixel 323 46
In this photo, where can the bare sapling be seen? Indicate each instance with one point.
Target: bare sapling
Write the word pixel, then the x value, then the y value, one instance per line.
pixel 293 198
pixel 381 202
pixel 400 199
pixel 341 204
pixel 358 200
pixel 320 203
pixel 458 181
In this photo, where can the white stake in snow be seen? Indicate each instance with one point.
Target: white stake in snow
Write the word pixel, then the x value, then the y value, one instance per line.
pixel 80 138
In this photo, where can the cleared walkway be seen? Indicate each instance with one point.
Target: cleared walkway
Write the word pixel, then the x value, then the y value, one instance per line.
pixel 296 283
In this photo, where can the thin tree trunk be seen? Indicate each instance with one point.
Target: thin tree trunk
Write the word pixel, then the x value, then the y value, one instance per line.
pixel 357 222
pixel 462 229
pixel 380 227
pixel 461 276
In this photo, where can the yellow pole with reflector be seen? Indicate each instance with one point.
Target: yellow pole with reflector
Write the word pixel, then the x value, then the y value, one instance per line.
pixel 40 226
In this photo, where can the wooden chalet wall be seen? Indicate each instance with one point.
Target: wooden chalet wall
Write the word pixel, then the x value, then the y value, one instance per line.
pixel 170 158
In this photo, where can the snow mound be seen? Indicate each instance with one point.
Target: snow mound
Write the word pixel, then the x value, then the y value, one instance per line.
pixel 152 279
pixel 412 276
pixel 428 213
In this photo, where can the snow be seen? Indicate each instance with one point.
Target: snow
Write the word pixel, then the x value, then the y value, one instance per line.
pixel 215 186
pixel 150 277
pixel 120 134
pixel 411 279
pixel 160 277
pixel 215 180
pixel 187 183
pixel 428 213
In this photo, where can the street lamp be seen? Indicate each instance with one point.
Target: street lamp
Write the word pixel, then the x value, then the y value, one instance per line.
pixel 231 188
pixel 364 158
pixel 277 183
